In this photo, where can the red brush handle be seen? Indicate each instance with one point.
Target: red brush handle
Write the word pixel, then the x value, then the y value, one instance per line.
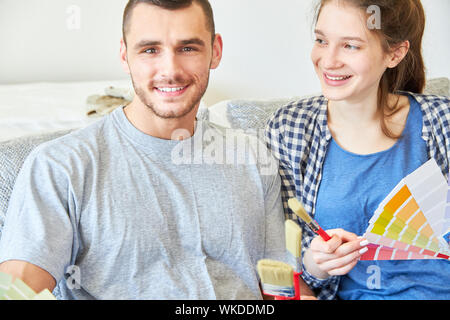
pixel 297 285
pixel 282 298
pixel 323 234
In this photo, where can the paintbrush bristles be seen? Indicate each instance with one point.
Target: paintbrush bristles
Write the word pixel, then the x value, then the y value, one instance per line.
pixel 298 209
pixel 275 273
pixel 293 238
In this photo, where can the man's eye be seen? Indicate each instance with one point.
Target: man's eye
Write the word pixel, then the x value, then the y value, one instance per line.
pixel 187 49
pixel 151 50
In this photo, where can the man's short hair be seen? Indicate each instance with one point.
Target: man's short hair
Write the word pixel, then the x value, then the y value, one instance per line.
pixel 169 5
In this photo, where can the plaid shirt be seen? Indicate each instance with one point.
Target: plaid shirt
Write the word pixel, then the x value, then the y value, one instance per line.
pixel 298 136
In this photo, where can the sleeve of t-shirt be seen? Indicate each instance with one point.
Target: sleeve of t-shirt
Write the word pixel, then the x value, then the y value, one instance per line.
pixel 37 227
pixel 275 247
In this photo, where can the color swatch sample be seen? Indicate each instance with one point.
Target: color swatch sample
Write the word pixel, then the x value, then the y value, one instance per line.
pixel 410 223
pixel 18 290
pixel 378 252
pixel 5 283
pixel 446 235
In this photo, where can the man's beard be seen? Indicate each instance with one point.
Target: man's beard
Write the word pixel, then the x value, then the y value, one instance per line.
pixel 171 114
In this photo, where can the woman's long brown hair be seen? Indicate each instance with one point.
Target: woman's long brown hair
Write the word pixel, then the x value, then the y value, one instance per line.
pixel 401 21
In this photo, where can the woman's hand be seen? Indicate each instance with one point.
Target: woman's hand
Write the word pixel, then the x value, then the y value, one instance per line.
pixel 336 256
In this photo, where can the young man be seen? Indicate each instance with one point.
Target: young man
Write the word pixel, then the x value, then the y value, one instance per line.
pixel 107 208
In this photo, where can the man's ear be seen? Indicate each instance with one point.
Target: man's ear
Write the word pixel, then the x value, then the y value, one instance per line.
pixel 217 51
pixel 123 56
pixel 398 53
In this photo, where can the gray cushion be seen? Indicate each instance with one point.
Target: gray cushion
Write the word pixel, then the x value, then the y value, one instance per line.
pixel 12 156
pixel 254 114
pixel 438 86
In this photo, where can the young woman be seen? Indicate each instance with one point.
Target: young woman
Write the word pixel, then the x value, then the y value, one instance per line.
pixel 341 153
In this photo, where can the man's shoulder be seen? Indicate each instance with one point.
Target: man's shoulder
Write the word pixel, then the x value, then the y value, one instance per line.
pixel 231 137
pixel 73 144
pixel 245 147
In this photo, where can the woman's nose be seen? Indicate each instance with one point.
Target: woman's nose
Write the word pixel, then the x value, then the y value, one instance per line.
pixel 331 59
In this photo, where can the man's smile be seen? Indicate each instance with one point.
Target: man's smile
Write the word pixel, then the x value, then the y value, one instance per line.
pixel 171 91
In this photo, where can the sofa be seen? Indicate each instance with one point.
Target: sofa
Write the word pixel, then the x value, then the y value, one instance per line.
pixel 248 115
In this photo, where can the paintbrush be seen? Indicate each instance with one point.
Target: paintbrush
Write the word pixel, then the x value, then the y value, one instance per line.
pixel 294 246
pixel 277 279
pixel 298 209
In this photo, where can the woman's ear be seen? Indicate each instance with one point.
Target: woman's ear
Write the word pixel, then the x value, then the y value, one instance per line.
pixel 398 53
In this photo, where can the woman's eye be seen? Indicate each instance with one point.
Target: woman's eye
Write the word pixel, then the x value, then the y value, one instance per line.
pixel 320 41
pixel 351 47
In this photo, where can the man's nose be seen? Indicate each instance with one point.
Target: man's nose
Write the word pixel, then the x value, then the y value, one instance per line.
pixel 169 67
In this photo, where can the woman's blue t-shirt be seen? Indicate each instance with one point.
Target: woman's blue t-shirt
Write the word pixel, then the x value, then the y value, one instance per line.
pixel 351 189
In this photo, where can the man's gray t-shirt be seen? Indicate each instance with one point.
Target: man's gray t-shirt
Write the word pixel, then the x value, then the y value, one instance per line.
pixel 112 213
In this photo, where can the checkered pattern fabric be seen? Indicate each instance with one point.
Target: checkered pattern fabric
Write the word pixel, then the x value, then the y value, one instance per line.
pixel 298 136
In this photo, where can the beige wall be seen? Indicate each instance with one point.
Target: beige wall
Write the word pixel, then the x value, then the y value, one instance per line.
pixel 266 44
